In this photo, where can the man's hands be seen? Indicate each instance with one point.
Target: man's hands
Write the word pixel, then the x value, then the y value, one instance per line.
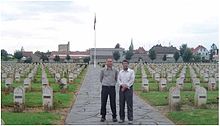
pixel 124 87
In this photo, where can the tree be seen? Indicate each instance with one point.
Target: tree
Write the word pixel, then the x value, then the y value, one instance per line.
pixel 212 51
pixel 187 55
pixel 152 54
pixel 183 48
pixel 28 60
pixel 176 56
pixel 131 47
pixel 197 58
pixel 57 58
pixel 117 46
pixel 86 59
pixel 116 55
pixel 164 57
pixel 68 57
pixel 18 55
pixel 4 55
pixel 128 55
pixel 44 57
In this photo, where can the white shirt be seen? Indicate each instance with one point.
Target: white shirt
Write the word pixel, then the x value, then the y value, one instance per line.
pixel 126 77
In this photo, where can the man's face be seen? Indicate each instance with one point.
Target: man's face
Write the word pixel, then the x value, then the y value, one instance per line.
pixel 109 62
pixel 125 65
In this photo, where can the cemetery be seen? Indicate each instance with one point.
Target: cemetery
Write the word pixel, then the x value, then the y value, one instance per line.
pixel 32 94
pixel 186 93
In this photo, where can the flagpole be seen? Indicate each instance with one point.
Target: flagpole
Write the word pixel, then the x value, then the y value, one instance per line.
pixel 95 42
pixel 95 49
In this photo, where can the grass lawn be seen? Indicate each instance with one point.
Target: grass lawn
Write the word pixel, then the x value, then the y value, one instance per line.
pixel 34 99
pixel 195 117
pixel 39 118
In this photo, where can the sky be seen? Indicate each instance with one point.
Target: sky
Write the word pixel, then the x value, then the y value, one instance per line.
pixel 42 25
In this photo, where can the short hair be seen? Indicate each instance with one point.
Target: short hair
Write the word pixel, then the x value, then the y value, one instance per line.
pixel 109 58
pixel 125 61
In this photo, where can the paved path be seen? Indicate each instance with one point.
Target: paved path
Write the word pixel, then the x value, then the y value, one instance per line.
pixel 86 109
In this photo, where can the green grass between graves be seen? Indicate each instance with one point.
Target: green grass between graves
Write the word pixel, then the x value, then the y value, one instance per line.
pixel 29 118
pixel 196 116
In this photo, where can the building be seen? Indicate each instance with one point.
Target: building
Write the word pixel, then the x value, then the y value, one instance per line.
pixel 64 50
pixel 202 51
pixel 74 55
pixel 164 50
pixel 64 47
pixel 103 53
pixel 29 54
pixel 140 53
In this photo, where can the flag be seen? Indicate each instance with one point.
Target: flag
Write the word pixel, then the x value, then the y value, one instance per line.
pixel 94 21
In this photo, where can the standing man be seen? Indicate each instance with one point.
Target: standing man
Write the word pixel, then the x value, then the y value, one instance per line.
pixel 126 80
pixel 108 78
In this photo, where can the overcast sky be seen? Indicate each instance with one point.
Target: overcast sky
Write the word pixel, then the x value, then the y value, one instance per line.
pixel 43 25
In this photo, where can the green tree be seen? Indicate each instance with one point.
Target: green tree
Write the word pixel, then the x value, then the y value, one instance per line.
pixel 152 54
pixel 4 55
pixel 86 59
pixel 44 57
pixel 212 51
pixel 57 58
pixel 176 56
pixel 28 60
pixel 164 57
pixel 131 47
pixel 183 48
pixel 18 55
pixel 187 55
pixel 197 58
pixel 117 46
pixel 68 57
pixel 128 55
pixel 116 55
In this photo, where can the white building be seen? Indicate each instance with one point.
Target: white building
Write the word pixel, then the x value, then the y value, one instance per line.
pixel 202 51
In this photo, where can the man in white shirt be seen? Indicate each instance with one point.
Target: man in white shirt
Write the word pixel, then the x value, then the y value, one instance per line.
pixel 126 79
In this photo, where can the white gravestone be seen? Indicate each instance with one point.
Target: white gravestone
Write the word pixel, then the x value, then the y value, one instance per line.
pixel 71 78
pixel 145 85
pixel 17 77
pixel 157 77
pixel 57 77
pixel 174 98
pixel 196 83
pixel 19 99
pixel 162 84
pixel 211 84
pixel 27 83
pixel 200 96
pixel 45 82
pixel 47 97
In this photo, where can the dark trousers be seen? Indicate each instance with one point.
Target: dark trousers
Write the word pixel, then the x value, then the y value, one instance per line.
pixel 126 96
pixel 108 91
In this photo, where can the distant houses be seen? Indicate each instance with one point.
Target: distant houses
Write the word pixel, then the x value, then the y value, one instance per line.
pixel 202 51
pixel 164 54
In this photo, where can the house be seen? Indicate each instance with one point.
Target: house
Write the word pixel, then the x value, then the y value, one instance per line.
pixel 103 53
pixel 202 51
pixel 164 50
pixel 74 55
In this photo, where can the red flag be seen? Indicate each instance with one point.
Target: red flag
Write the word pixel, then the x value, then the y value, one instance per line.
pixel 94 21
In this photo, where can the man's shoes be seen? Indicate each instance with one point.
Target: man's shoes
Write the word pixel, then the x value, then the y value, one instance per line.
pixel 102 119
pixel 114 120
pixel 121 121
pixel 130 122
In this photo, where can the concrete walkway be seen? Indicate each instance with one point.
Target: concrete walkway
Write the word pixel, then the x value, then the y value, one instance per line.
pixel 86 109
